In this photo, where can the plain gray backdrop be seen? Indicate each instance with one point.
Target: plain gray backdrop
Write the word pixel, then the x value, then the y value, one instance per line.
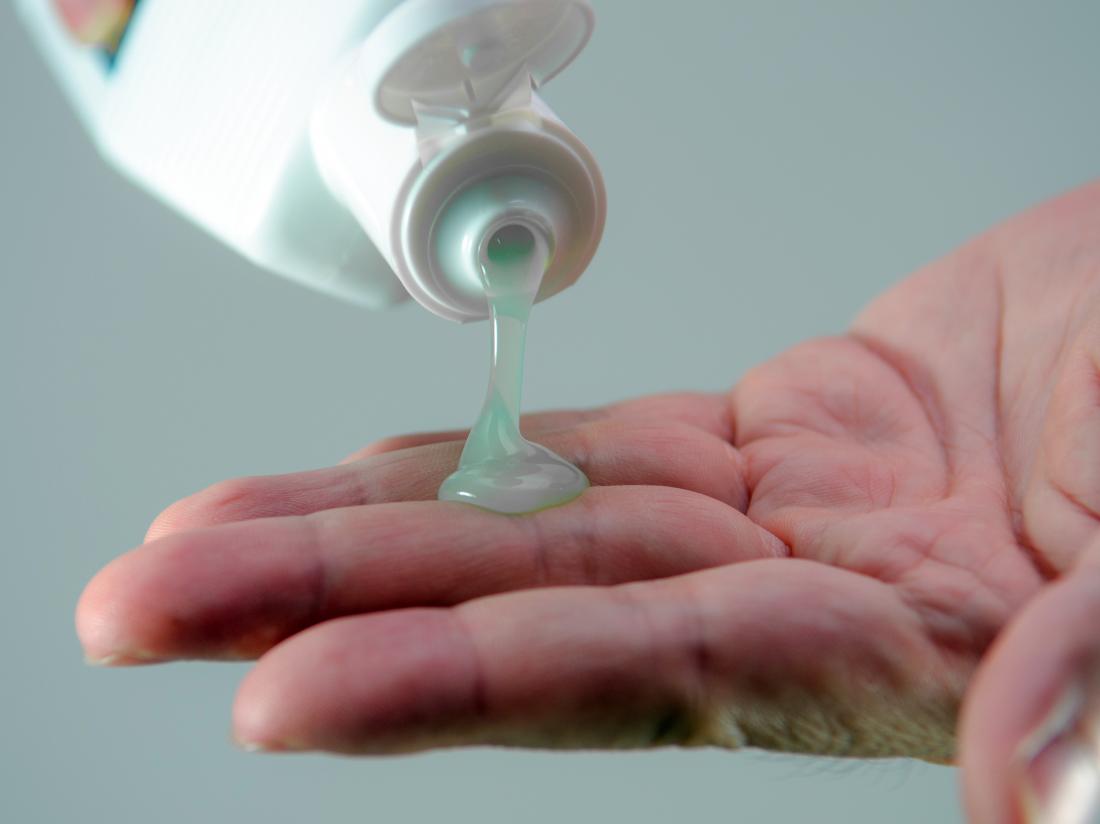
pixel 770 167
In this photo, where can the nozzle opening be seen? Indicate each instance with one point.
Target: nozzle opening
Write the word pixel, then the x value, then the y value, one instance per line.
pixel 509 245
pixel 498 177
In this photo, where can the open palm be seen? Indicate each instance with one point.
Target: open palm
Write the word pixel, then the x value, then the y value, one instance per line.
pixel 817 561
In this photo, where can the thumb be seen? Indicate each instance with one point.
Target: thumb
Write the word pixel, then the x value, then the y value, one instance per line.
pixel 1030 726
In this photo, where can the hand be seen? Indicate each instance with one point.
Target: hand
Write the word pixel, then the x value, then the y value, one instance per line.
pixel 906 520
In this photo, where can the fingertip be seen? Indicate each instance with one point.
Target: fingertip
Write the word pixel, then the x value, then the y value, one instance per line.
pixel 256 722
pixel 165 523
pixel 274 708
pixel 106 623
pixel 361 684
pixel 235 499
pixel 168 600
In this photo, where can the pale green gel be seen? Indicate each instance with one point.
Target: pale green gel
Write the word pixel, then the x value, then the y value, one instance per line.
pixel 499 468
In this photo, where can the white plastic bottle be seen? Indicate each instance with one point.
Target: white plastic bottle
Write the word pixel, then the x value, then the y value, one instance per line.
pixel 326 139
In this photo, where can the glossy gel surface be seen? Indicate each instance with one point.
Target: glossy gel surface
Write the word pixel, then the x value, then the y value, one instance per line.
pixel 499 468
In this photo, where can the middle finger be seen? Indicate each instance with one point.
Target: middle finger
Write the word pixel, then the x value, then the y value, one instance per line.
pixel 235 590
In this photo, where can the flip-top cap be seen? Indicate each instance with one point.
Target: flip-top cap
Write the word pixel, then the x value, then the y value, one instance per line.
pixel 463 55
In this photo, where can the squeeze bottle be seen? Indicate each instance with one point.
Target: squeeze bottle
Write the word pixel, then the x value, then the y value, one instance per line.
pixel 326 140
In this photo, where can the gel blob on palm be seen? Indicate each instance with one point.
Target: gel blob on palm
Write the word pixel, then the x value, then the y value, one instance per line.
pixel 500 470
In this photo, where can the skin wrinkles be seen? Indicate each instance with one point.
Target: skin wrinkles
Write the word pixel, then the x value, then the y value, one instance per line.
pixel 823 559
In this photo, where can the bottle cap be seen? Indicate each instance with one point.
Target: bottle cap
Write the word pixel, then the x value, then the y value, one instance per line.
pixel 464 55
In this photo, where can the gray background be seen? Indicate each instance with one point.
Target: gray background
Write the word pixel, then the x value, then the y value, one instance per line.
pixel 771 166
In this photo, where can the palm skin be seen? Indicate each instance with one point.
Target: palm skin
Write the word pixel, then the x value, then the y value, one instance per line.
pixel 818 561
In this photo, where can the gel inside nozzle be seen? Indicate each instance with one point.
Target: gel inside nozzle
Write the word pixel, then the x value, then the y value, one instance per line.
pixel 510 244
pixel 497 221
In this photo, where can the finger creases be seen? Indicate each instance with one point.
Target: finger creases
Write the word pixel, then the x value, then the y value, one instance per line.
pixel 611 453
pixel 770 653
pixel 234 590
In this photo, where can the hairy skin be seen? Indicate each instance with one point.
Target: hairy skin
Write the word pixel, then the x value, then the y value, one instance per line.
pixel 819 561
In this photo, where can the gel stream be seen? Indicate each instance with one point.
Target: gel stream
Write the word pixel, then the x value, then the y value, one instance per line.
pixel 499 469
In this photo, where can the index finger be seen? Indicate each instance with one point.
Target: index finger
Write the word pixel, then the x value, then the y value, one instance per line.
pixel 708 411
pixel 668 440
